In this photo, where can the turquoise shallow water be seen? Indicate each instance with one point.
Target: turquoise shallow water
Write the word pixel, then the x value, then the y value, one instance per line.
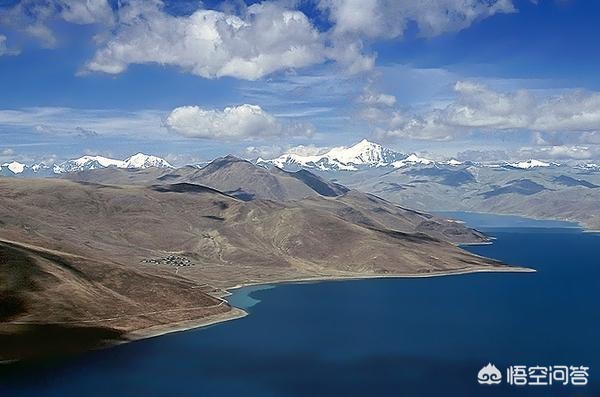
pixel 425 337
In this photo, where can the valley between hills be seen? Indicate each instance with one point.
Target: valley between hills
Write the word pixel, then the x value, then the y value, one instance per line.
pixel 110 255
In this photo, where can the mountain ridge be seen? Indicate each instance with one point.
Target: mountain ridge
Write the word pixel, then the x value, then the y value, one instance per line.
pixel 246 181
pixel 367 155
pixel 361 156
pixel 87 162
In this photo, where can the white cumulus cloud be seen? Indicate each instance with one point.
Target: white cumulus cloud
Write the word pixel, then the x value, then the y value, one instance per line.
pixel 240 41
pixel 566 152
pixel 479 108
pixel 212 44
pixel 268 37
pixel 86 11
pixel 35 18
pixel 390 18
pixel 244 121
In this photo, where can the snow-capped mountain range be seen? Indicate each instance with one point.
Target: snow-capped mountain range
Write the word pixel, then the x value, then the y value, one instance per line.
pixel 138 160
pixel 531 164
pixel 589 167
pixel 15 168
pixel 365 154
pixel 361 156
pixel 351 158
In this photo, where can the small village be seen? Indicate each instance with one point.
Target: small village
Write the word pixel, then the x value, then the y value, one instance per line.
pixel 170 260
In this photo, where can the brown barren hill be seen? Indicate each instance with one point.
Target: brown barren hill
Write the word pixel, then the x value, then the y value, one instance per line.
pixel 53 303
pixel 246 181
pixel 234 176
pixel 123 261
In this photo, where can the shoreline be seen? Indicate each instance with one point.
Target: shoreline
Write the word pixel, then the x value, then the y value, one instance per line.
pixel 476 244
pixel 591 231
pixel 164 329
pixel 447 273
pixel 237 313
pixel 575 224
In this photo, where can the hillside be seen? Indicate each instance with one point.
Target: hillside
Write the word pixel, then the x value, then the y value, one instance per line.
pixel 231 175
pixel 78 303
pixel 110 262
pixel 246 181
pixel 231 240
pixel 563 193
pixel 530 188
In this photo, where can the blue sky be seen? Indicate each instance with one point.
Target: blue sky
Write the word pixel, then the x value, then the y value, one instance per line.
pixel 448 78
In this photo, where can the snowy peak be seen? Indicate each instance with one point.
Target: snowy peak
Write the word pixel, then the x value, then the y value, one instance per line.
pixel 362 155
pixel 15 167
pixel 413 159
pixel 39 167
pixel 453 162
pixel 529 164
pixel 87 163
pixel 296 161
pixel 102 161
pixel 84 163
pixel 141 160
pixel 365 154
pixel 589 167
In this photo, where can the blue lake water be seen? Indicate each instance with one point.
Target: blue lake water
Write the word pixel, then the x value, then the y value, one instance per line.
pixel 409 337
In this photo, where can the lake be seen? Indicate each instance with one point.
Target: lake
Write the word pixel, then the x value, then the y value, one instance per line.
pixel 421 336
